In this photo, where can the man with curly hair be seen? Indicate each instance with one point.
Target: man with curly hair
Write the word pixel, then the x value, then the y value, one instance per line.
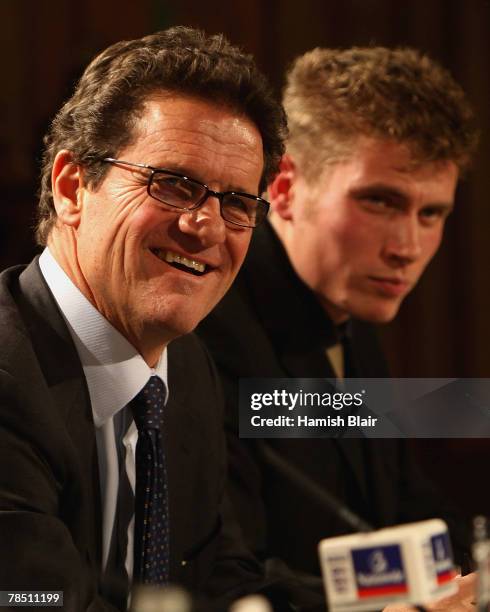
pixel 377 140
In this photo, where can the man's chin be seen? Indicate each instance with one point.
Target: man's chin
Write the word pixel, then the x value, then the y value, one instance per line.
pixel 378 315
pixel 180 324
pixel 373 310
pixel 362 307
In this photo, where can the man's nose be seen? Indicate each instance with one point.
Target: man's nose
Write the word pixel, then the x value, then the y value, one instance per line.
pixel 403 244
pixel 205 223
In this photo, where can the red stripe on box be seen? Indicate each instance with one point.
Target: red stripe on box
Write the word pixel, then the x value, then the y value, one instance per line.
pixel 384 590
pixel 445 576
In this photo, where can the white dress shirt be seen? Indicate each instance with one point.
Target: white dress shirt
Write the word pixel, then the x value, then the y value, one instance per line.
pixel 115 374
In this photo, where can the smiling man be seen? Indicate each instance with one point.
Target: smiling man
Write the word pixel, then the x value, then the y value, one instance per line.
pixel 151 271
pixel 112 465
pixel 378 138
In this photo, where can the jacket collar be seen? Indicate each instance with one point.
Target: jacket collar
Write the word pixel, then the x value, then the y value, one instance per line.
pixel 299 328
pixel 63 374
pixel 287 308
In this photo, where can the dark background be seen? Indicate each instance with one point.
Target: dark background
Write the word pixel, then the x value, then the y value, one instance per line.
pixel 443 327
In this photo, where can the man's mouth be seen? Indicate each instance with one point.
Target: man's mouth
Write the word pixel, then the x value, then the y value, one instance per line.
pixel 391 286
pixel 180 262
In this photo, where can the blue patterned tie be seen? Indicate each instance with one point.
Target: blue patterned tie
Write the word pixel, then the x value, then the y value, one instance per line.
pixel 151 530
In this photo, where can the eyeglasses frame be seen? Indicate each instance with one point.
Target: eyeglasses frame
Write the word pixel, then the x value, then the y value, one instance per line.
pixel 209 192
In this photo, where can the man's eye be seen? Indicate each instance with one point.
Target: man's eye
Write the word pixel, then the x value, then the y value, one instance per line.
pixel 238 209
pixel 433 214
pixel 376 201
pixel 173 189
pixel 176 186
pixel 236 202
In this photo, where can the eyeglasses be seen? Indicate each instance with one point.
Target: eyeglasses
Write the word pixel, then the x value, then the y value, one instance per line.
pixel 180 191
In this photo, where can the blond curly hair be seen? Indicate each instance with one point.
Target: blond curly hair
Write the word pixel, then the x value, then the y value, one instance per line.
pixel 333 96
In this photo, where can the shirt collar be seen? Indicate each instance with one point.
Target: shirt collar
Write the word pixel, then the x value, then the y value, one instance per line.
pixel 114 369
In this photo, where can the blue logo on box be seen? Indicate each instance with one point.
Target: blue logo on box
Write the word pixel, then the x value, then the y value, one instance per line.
pixel 379 571
pixel 443 557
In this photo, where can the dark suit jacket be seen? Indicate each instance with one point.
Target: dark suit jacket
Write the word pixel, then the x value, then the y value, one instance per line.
pixel 271 325
pixel 50 508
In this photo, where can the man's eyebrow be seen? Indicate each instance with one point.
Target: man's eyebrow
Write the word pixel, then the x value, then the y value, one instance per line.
pixel 380 189
pixel 191 175
pixel 393 193
pixel 174 168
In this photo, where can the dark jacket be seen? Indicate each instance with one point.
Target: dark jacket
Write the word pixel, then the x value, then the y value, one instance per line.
pixel 50 508
pixel 271 325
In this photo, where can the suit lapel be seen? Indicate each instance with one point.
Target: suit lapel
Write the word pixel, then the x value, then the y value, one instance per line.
pixel 73 395
pixel 63 372
pixel 311 365
pixel 299 328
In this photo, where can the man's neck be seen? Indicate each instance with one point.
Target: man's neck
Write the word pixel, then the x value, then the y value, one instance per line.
pixel 336 314
pixel 150 343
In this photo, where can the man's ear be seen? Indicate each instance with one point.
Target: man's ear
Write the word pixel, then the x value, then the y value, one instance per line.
pixel 66 181
pixel 280 190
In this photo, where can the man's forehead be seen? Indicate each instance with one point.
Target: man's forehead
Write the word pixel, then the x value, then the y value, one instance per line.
pixel 161 104
pixel 205 140
pixel 180 117
pixel 369 157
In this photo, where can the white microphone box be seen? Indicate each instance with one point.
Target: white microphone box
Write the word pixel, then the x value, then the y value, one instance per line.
pixel 410 563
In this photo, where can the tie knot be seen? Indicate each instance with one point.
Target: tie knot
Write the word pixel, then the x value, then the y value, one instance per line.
pixel 147 406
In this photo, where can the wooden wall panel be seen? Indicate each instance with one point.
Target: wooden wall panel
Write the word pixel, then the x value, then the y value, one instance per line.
pixel 443 328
